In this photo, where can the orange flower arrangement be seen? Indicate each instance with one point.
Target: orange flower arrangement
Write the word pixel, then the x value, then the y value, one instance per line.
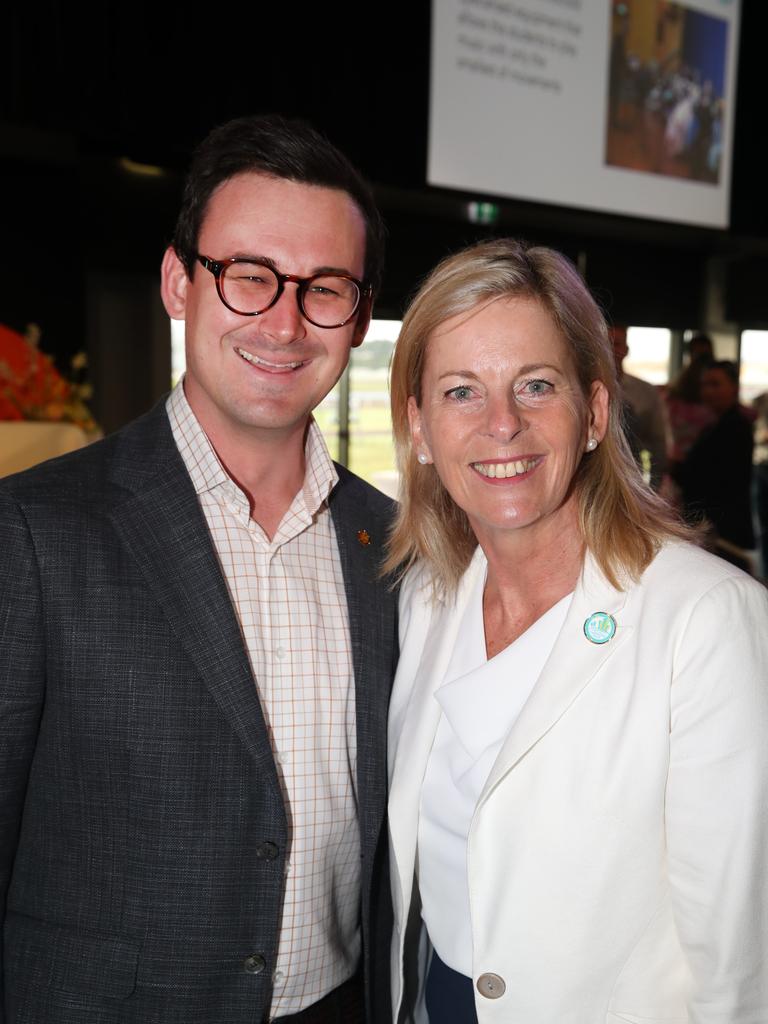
pixel 31 388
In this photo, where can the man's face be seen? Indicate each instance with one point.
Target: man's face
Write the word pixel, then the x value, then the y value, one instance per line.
pixel 260 377
pixel 718 391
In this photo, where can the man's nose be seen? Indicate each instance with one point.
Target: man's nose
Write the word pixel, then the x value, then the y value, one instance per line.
pixel 284 322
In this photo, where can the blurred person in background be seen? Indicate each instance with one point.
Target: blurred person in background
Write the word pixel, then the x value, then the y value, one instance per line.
pixel 687 415
pixel 644 414
pixel 715 477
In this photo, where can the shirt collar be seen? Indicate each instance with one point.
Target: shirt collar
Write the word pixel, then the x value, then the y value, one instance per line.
pixel 208 474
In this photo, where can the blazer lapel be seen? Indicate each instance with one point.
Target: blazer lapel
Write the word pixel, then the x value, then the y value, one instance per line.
pixel 162 525
pixel 572 665
pixel 413 727
pixel 360 536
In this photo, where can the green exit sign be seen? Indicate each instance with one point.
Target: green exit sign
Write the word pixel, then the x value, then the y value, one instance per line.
pixel 483 213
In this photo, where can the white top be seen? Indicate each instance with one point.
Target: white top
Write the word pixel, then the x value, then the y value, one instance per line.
pixel 289 597
pixel 480 701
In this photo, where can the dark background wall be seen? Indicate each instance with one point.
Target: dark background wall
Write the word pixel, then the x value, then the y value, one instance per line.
pixel 82 236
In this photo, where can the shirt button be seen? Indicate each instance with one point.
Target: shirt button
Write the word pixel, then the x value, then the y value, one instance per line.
pixel 492 986
pixel 278 976
pixel 254 964
pixel 281 653
pixel 266 851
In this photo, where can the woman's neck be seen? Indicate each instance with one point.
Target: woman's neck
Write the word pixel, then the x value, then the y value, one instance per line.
pixel 526 577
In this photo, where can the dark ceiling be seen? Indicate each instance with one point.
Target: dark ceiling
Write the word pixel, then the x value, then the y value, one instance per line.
pixel 82 90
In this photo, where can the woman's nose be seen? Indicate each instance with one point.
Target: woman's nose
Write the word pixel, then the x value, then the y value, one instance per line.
pixel 504 420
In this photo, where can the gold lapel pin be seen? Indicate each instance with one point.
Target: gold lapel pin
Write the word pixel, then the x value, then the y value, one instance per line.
pixel 364 537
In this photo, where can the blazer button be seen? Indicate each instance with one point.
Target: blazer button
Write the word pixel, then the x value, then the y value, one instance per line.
pixel 492 986
pixel 266 851
pixel 254 964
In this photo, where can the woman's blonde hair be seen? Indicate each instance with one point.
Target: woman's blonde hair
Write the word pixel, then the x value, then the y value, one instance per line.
pixel 622 521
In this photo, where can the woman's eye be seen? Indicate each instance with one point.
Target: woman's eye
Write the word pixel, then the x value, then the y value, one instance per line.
pixel 535 388
pixel 460 393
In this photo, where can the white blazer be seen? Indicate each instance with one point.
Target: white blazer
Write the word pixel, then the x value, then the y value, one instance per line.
pixel 617 856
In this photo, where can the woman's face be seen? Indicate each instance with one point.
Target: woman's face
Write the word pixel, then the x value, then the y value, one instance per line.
pixel 503 418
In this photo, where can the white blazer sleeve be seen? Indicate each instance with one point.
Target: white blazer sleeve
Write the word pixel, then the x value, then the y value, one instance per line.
pixel 717 802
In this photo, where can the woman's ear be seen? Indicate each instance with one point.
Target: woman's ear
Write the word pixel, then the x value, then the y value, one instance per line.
pixel 598 410
pixel 420 447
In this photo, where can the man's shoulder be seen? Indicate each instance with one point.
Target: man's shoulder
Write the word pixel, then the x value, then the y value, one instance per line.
pixel 352 488
pixel 637 387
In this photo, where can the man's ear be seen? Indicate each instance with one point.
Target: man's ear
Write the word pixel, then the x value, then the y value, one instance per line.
pixel 173 285
pixel 363 320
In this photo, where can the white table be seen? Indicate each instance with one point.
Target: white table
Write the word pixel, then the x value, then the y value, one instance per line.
pixel 24 444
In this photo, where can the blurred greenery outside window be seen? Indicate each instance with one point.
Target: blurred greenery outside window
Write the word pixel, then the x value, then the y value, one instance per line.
pixel 354 417
pixel 364 442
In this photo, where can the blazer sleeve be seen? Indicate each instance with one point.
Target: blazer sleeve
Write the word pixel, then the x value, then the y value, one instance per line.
pixel 717 802
pixel 22 682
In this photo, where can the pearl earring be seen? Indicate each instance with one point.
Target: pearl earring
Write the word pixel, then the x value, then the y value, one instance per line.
pixel 591 444
pixel 422 458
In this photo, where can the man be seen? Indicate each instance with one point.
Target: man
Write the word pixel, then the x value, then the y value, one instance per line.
pixel 197 648
pixel 716 475
pixel 644 414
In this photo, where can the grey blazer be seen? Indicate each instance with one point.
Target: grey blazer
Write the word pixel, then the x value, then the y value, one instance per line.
pixel 142 830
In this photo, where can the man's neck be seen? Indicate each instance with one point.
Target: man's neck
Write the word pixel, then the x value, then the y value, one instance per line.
pixel 267 465
pixel 270 480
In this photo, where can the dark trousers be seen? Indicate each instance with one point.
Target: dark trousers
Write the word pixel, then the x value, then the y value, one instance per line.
pixel 450 996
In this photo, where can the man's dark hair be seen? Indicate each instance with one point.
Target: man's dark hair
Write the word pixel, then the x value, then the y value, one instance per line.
pixel 700 346
pixel 282 148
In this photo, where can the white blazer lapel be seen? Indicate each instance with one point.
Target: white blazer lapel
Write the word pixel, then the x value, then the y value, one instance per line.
pixel 573 663
pixel 415 714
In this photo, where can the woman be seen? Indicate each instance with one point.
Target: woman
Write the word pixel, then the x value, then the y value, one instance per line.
pixel 578 755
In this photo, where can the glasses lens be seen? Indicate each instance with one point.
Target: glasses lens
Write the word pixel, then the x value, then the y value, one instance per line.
pixel 329 301
pixel 248 287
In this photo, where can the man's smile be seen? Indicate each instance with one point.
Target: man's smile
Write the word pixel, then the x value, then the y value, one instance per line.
pixel 265 364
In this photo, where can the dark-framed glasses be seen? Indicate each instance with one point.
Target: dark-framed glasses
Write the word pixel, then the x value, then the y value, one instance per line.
pixel 251 287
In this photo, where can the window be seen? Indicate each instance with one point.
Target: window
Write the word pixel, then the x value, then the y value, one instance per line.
pixel 649 350
pixel 754 365
pixel 364 441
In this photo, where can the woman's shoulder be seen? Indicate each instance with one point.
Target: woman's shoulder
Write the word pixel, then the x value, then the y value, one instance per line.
pixel 686 573
pixel 682 555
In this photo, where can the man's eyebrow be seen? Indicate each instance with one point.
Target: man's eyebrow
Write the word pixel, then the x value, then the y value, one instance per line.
pixel 269 262
pixel 255 258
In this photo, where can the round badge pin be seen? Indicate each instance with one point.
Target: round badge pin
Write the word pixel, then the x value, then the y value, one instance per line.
pixel 599 627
